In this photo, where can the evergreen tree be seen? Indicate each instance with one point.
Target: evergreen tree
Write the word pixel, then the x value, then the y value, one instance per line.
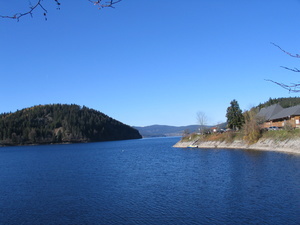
pixel 235 118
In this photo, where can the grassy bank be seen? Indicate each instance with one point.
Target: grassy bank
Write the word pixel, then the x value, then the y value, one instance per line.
pixel 229 137
pixel 282 135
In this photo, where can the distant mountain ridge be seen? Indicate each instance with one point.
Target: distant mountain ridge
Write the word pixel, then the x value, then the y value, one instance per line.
pixel 165 131
pixel 169 131
pixel 61 123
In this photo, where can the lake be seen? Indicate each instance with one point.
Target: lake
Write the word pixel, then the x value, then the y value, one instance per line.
pixel 147 182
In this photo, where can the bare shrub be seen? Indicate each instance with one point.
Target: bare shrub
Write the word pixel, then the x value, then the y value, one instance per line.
pixel 288 126
pixel 251 128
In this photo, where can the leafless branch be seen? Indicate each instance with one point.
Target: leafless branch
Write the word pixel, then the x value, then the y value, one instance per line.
pixel 290 54
pixel 291 88
pixel 17 16
pixel 100 3
pixel 294 70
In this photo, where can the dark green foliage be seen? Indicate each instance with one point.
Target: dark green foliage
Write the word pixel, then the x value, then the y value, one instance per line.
pixel 284 102
pixel 235 118
pixel 61 123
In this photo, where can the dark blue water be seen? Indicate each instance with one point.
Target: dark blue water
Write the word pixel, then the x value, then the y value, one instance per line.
pixel 147 182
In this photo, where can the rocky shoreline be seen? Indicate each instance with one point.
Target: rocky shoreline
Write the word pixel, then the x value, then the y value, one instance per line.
pixel 287 146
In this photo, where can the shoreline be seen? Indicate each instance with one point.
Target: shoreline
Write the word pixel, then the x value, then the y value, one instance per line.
pixel 286 146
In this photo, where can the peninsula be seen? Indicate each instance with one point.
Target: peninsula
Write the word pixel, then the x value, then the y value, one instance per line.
pixel 273 125
pixel 263 144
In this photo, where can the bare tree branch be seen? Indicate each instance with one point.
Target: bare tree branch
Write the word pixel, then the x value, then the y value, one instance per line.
pixel 100 3
pixel 290 54
pixel 294 70
pixel 17 16
pixel 293 87
pixel 202 121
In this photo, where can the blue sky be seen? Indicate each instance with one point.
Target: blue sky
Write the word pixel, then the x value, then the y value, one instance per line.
pixel 149 62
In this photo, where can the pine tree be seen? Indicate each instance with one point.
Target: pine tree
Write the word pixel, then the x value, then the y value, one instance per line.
pixel 235 118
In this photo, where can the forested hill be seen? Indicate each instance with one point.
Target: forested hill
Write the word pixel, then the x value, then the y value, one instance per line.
pixel 284 102
pixel 61 123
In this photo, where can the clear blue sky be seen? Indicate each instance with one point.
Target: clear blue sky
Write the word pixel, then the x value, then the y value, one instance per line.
pixel 149 62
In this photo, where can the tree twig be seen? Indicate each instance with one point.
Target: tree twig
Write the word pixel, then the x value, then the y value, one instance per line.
pixel 17 16
pixel 290 54
pixel 291 88
pixel 100 3
pixel 294 70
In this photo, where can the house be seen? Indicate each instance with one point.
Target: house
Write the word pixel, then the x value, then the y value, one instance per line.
pixel 214 129
pixel 277 116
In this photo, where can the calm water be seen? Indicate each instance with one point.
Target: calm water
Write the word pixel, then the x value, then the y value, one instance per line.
pixel 147 182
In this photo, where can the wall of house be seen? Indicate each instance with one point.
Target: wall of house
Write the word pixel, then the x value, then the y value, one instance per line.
pixel 294 121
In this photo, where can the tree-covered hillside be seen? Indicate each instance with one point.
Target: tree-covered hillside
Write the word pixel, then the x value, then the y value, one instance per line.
pixel 61 123
pixel 284 102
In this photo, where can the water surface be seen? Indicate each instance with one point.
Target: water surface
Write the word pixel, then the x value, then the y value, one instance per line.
pixel 147 182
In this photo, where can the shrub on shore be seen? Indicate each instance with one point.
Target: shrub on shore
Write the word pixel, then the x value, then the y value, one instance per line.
pixel 251 128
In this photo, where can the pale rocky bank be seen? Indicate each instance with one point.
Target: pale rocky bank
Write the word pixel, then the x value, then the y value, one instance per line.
pixel 287 146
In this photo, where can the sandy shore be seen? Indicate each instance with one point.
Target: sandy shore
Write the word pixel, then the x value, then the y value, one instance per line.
pixel 288 146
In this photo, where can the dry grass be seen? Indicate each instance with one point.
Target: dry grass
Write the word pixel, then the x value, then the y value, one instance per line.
pixel 282 135
pixel 228 137
pixel 191 137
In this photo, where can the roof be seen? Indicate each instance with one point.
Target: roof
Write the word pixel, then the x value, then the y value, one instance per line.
pixel 291 111
pixel 268 112
pixel 275 112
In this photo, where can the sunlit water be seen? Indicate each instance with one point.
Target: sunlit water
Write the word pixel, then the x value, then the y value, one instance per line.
pixel 147 182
